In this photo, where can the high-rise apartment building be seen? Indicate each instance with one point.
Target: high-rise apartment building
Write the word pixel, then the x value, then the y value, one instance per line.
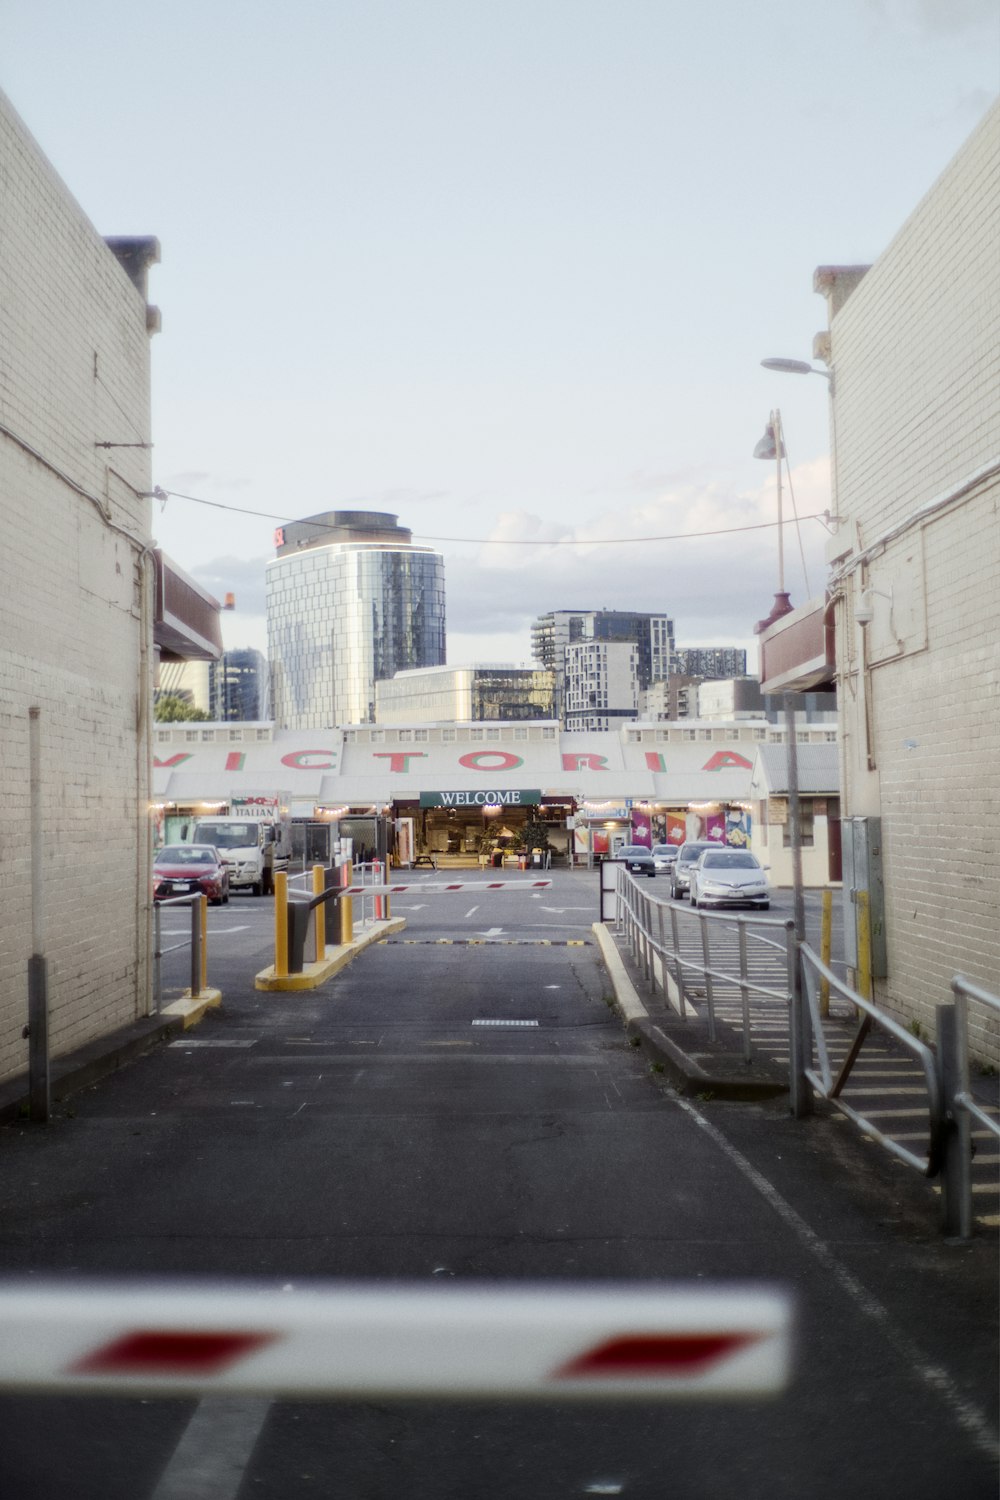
pixel 350 600
pixel 553 634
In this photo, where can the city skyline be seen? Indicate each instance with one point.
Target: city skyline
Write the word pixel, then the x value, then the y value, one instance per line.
pixel 519 284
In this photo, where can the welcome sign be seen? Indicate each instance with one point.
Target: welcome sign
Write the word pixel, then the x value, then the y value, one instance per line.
pixel 514 798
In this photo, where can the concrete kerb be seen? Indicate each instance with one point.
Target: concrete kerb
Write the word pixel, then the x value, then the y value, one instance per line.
pixel 77 1070
pixel 684 1071
pixel 337 958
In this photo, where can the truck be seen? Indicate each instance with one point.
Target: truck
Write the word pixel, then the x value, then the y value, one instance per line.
pixel 254 840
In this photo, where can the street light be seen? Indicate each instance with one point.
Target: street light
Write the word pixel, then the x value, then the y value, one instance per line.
pixel 796 367
pixel 772 446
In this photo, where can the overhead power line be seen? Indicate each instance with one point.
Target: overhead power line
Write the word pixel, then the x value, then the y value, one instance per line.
pixel 496 541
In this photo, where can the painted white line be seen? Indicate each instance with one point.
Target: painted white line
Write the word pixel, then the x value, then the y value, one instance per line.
pixel 968 1416
pixel 209 1462
pixel 471 910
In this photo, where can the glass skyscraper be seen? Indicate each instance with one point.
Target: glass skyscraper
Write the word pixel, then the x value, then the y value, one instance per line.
pixel 350 600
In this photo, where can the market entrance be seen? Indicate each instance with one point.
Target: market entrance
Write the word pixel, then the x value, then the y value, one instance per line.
pixel 476 832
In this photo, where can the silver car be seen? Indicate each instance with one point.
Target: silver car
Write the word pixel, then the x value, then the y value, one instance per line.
pixel 729 877
pixel 680 871
pixel 663 856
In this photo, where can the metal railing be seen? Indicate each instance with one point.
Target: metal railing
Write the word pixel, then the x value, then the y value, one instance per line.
pixel 960 1108
pixel 821 1078
pixel 642 918
pixel 198 941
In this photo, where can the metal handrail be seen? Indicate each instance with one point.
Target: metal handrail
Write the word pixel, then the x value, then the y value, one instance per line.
pixel 636 925
pixel 199 907
pixel 965 990
pixel 823 1081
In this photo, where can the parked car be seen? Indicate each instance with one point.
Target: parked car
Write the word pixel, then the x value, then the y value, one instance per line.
pixel 729 877
pixel 664 856
pixel 687 856
pixel 637 858
pixel 190 870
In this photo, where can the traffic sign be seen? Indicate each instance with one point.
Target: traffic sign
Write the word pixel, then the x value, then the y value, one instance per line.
pixel 469 1341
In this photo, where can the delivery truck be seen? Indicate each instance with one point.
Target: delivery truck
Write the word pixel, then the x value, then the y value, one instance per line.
pixel 254 838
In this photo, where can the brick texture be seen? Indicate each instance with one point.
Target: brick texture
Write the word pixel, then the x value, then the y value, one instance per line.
pixel 916 355
pixel 74 615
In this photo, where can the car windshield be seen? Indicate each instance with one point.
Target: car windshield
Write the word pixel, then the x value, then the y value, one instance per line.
pixel 229 835
pixel 691 852
pixel 629 851
pixel 729 859
pixel 185 854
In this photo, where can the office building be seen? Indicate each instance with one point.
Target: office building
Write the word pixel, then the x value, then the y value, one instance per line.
pixel 350 601
pixel 239 686
pixel 710 661
pixel 460 695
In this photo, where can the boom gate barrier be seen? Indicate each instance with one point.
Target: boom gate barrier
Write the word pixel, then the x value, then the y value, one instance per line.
pixel 543 1341
pixel 292 916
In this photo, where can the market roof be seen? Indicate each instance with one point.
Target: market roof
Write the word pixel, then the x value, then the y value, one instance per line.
pixel 818 769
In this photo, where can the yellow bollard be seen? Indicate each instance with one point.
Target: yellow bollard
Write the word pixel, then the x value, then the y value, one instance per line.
pixel 864 922
pixel 204 942
pixel 319 914
pixel 825 943
pixel 346 905
pixel 281 924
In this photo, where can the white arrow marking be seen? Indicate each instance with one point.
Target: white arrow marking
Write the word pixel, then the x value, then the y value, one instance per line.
pixel 493 932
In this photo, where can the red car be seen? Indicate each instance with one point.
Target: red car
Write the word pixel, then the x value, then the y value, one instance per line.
pixel 190 870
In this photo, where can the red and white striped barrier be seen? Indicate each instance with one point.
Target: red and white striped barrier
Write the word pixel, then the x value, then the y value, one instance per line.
pixel 457 885
pixel 546 1342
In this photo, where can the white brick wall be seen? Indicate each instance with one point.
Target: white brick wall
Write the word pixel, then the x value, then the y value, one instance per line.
pixel 916 354
pixel 73 621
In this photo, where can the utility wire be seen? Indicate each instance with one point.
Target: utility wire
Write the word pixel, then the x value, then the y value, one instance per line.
pixel 493 541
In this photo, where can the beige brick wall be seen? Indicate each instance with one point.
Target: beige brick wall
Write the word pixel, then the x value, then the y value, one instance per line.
pixel 74 617
pixel 916 355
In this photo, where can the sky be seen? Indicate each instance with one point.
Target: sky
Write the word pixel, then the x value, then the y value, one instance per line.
pixel 503 268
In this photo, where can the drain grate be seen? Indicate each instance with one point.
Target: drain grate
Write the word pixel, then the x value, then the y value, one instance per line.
pixel 505 1023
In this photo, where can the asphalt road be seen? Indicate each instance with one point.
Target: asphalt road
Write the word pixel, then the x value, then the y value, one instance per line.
pixel 382 1128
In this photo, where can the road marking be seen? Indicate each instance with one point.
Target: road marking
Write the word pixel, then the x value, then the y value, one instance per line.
pixel 205 1042
pixel 333 1059
pixel 969 1417
pixel 505 1023
pixel 471 910
pixel 493 932
pixel 210 1460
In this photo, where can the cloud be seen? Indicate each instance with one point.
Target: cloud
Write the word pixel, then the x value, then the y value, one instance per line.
pixel 715 586
pixel 937 17
pixel 199 479
pixel 241 576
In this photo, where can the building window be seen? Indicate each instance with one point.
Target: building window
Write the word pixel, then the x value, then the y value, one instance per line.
pixel 448 736
pixel 377 736
pixel 805 825
pixel 235 736
pixel 548 734
pixel 406 736
pixel 420 734
pixel 163 736
pixel 190 735
pixel 263 734
pixel 520 734
pixel 208 734
pixel 475 734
